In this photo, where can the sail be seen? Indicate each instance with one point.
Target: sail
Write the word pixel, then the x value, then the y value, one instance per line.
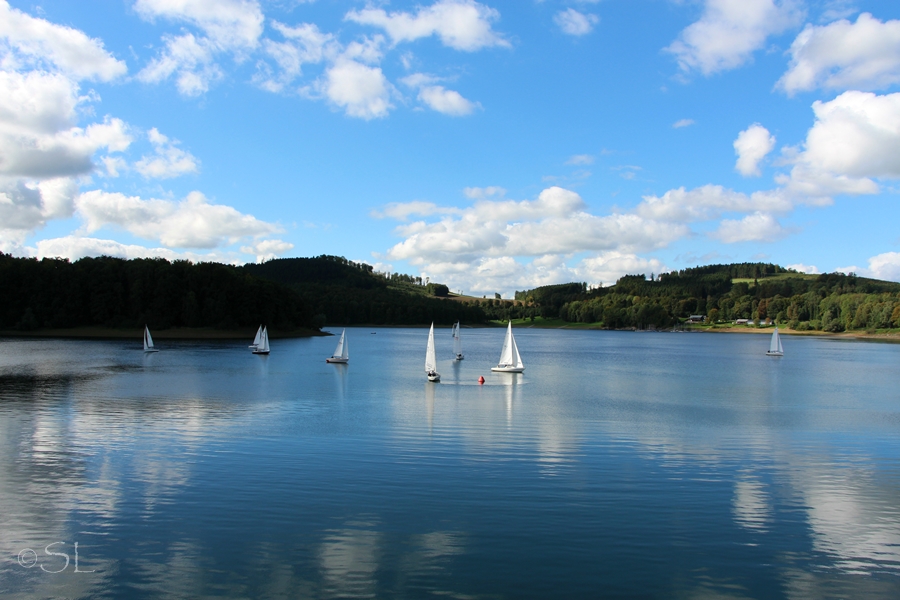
pixel 263 346
pixel 341 350
pixel 775 343
pixel 148 341
pixel 258 337
pixel 510 360
pixel 509 346
pixel 457 344
pixel 430 360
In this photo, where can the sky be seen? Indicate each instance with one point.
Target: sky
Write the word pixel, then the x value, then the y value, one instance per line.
pixel 492 145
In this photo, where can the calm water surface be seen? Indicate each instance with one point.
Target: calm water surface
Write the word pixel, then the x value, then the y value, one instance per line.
pixel 642 465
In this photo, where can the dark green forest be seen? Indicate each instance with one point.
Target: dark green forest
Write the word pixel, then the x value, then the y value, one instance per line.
pixel 307 293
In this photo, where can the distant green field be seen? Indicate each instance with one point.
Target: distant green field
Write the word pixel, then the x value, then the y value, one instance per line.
pixel 777 277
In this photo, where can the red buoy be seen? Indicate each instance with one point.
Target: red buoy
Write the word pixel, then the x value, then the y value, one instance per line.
pixel 481 380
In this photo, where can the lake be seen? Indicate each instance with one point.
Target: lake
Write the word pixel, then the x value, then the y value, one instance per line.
pixel 619 464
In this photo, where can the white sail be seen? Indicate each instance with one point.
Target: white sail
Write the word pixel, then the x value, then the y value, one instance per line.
pixel 341 353
pixel 457 343
pixel 510 360
pixel 430 360
pixel 257 338
pixel 263 346
pixel 148 341
pixel 775 348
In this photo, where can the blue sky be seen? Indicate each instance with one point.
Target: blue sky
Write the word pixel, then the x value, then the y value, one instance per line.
pixel 491 146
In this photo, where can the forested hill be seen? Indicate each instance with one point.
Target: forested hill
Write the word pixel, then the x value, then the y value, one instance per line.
pixel 342 292
pixel 723 293
pixel 117 293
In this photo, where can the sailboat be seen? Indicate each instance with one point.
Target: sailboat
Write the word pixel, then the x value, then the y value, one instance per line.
pixel 340 353
pixel 430 360
pixel 263 346
pixel 457 344
pixel 510 361
pixel 148 341
pixel 257 338
pixel 775 348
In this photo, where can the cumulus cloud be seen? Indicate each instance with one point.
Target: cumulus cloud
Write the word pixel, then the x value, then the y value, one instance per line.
pixel 402 211
pixel 554 223
pixel 808 269
pixel 572 22
pixel 191 223
pixel 267 249
pixel 730 31
pixel 448 102
pixel 758 227
pixel 38 138
pixel 709 202
pixel 304 44
pixel 362 91
pixel 168 159
pixel 26 206
pixel 44 46
pixel 682 123
pixel 227 26
pixel 885 266
pixel 477 193
pixel 75 247
pixel 459 24
pixel 842 55
pixel 607 267
pixel 751 146
pixel 854 140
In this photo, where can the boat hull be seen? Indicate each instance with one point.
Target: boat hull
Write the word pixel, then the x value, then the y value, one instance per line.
pixel 770 353
pixel 150 350
pixel 433 377
pixel 337 360
pixel 260 352
pixel 507 369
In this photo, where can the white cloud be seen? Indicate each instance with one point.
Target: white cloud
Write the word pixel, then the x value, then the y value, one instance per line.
pixel 460 24
pixel 682 123
pixel 554 223
pixel 191 58
pixel 709 202
pixel 446 101
pixel 362 91
pixel 477 193
pixel 167 161
pixel 402 211
pixel 233 26
pixel 758 227
pixel 26 206
pixel 808 269
pixel 580 159
pixel 267 249
pixel 39 44
pixel 752 145
pixel 572 22
pixel 729 31
pixel 885 266
pixel 191 223
pixel 75 247
pixel 38 138
pixel 855 139
pixel 864 56
pixel 607 267
pixel 229 24
pixel 303 44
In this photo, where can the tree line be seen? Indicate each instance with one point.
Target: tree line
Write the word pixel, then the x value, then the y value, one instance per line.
pixel 831 302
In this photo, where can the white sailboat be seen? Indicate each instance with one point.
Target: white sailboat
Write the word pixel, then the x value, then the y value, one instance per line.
pixel 510 361
pixel 263 346
pixel 148 341
pixel 340 353
pixel 257 338
pixel 457 344
pixel 430 360
pixel 775 348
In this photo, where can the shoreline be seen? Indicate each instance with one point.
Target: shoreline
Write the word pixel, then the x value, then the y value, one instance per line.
pixel 175 333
